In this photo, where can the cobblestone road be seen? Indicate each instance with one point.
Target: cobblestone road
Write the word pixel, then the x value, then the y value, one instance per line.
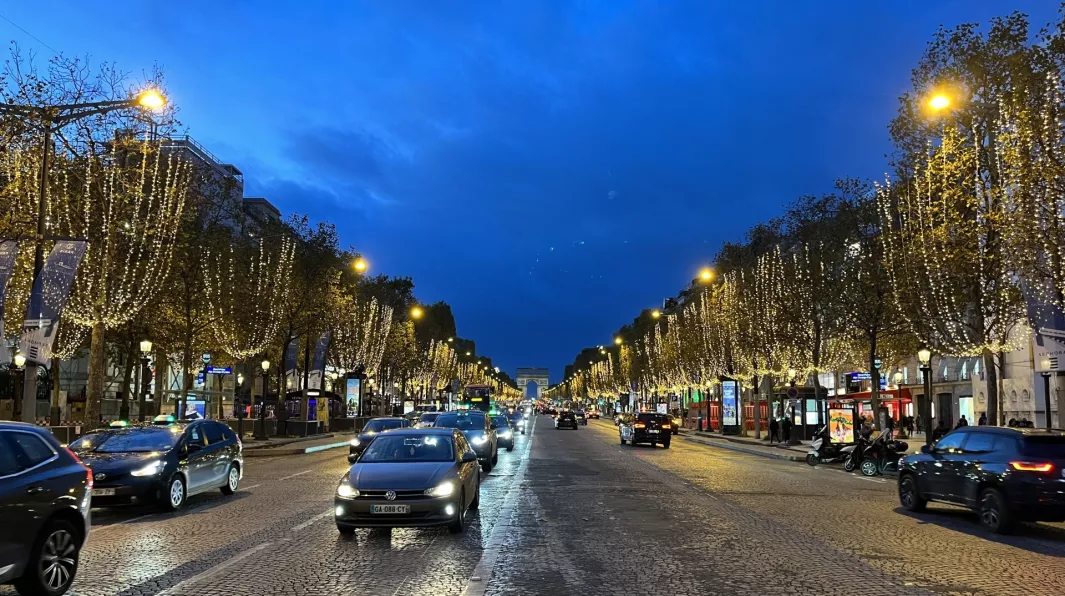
pixel 573 512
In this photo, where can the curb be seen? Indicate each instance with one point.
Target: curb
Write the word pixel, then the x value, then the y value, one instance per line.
pixel 263 452
pixel 750 451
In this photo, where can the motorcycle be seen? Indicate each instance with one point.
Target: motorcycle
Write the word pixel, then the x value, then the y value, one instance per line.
pixel 855 453
pixel 883 455
pixel 824 451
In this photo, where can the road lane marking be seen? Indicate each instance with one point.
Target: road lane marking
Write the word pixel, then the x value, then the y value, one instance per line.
pixel 252 486
pixel 482 572
pixel 320 516
pixel 212 571
pixel 294 475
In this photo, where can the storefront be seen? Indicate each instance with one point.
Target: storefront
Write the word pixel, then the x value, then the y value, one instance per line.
pixel 894 403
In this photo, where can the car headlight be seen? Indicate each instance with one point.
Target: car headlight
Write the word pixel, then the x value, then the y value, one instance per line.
pixel 346 490
pixel 355 443
pixel 444 489
pixel 505 434
pixel 149 470
pixel 479 440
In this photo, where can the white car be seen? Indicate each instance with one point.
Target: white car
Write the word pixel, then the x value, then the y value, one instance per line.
pixel 427 420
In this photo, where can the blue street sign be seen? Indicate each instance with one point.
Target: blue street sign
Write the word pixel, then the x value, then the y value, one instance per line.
pixel 219 370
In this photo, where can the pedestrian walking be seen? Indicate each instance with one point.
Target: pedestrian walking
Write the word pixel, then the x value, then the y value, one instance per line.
pixel 890 424
pixel 983 419
pixel 774 430
pixel 786 428
pixel 962 422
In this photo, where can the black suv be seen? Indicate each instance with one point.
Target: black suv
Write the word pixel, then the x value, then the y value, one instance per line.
pixel 647 427
pixel 44 510
pixel 1004 474
pixel 566 418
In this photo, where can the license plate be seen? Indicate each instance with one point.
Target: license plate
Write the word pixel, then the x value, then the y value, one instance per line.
pixel 103 492
pixel 390 509
pixel 653 432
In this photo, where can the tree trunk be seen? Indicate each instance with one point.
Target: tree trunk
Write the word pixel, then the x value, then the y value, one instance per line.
pixel 162 379
pixel 756 393
pixel 127 376
pixel 55 418
pixel 97 373
pixel 874 374
pixel 186 379
pixel 992 387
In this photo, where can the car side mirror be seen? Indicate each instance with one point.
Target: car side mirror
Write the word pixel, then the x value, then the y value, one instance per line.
pixel 926 449
pixel 469 456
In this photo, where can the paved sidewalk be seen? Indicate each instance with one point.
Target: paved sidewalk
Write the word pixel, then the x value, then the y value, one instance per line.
pixel 748 445
pixel 296 445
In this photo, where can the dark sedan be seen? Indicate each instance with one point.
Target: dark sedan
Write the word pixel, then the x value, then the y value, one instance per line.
pixel 566 419
pixel 409 478
pixel 505 431
pixel 161 463
pixel 373 428
pixel 44 510
pixel 1004 474
pixel 479 432
pixel 647 427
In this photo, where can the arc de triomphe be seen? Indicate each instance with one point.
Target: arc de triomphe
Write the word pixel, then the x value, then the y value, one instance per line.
pixel 537 376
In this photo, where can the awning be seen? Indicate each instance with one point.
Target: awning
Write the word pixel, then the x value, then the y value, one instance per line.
pixel 885 395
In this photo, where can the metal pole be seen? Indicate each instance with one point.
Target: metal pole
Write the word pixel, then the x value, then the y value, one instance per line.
pixel 29 384
pixel 261 433
pixel 239 399
pixel 1046 398
pixel 142 388
pixel 926 372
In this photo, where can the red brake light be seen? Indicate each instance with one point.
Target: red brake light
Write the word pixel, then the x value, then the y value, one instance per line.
pixel 88 470
pixel 1026 466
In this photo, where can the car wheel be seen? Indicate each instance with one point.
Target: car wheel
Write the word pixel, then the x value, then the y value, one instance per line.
pixel 345 530
pixel 53 561
pixel 495 456
pixel 909 498
pixel 232 480
pixel 459 524
pixel 486 466
pixel 622 441
pixel 174 497
pixel 994 514
pixel 510 447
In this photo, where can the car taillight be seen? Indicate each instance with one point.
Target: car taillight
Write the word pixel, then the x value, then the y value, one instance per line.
pixel 1027 466
pixel 640 425
pixel 88 470
pixel 665 426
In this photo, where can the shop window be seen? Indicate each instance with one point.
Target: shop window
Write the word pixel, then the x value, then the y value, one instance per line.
pixel 964 376
pixel 977 370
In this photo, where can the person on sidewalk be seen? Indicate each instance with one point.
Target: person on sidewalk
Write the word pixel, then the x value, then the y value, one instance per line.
pixel 940 430
pixel 983 419
pixel 786 428
pixel 774 430
pixel 962 422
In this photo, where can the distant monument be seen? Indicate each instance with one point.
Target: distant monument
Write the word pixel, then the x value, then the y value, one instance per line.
pixel 532 382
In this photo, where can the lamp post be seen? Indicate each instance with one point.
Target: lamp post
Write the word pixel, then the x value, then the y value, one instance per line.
pixel 260 432
pixel 17 363
pixel 240 405
pixel 1046 365
pixel 142 378
pixel 51 119
pixel 924 357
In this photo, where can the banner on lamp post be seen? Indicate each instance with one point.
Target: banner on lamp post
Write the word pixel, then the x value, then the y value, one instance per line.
pixel 317 372
pixel 292 349
pixel 48 299
pixel 8 253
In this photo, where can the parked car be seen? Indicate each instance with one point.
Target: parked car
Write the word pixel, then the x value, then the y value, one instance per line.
pixel 1004 474
pixel 371 429
pixel 505 431
pixel 164 462
pixel 410 477
pixel 44 510
pixel 479 432
pixel 647 427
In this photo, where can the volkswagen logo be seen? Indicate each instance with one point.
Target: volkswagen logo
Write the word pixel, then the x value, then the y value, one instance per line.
pixel 390 495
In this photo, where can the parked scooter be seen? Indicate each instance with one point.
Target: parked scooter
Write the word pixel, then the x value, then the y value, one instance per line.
pixel 824 451
pixel 855 453
pixel 883 455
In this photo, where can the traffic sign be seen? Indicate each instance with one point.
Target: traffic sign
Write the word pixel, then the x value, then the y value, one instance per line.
pixel 219 370
pixel 792 393
pixel 206 357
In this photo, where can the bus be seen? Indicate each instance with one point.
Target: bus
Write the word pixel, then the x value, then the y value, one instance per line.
pixel 477 397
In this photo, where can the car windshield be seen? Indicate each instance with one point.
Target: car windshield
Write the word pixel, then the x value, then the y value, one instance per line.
pixel 1048 446
pixel 89 442
pixel 412 448
pixel 135 440
pixel 429 417
pixel 500 421
pixel 376 426
pixel 461 421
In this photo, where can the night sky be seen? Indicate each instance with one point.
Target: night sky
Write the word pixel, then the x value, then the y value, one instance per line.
pixel 547 168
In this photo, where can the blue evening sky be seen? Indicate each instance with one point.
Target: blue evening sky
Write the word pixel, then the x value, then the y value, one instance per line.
pixel 549 168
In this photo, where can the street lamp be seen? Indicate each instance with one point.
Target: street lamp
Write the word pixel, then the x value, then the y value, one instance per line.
pixel 416 312
pixel 939 102
pixel 656 313
pixel 617 341
pixel 924 358
pixel 1046 365
pixel 142 378
pixel 706 275
pixel 18 362
pixel 360 265
pixel 261 431
pixel 52 118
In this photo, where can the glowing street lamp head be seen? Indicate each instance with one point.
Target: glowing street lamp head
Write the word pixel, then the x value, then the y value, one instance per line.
pixel 360 265
pixel 924 356
pixel 656 313
pixel 939 102
pixel 20 360
pixel 146 346
pixel 706 275
pixel 266 365
pixel 416 312
pixel 151 99
pixel 617 341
